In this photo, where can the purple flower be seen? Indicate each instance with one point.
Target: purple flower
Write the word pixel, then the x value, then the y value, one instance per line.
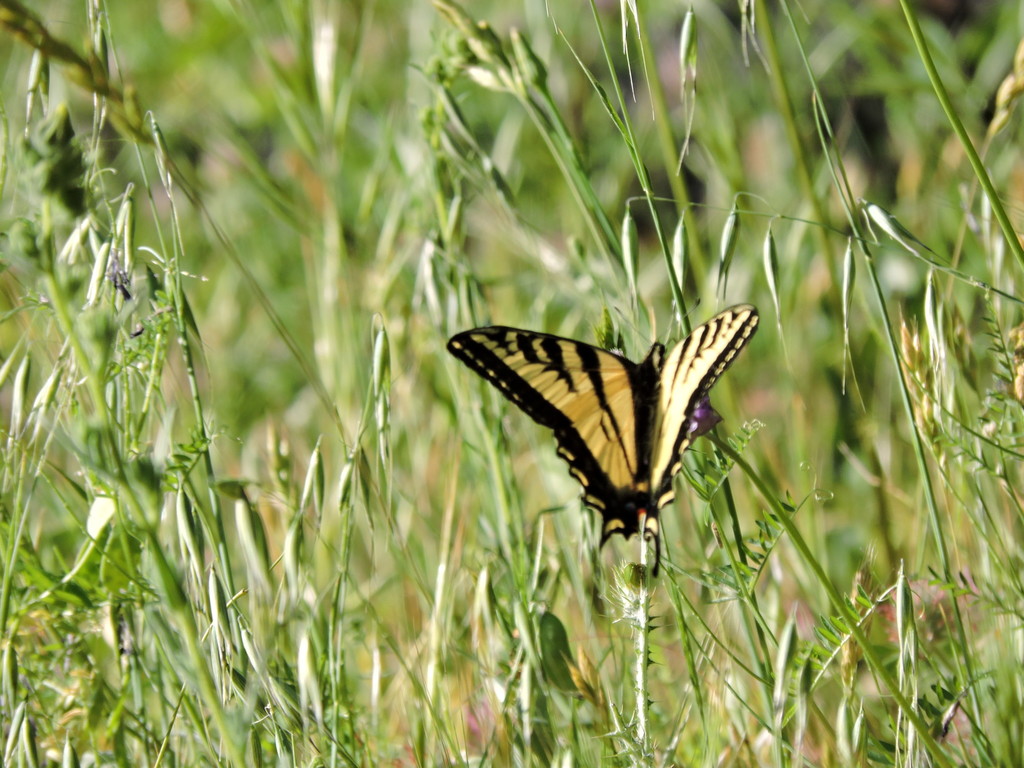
pixel 703 418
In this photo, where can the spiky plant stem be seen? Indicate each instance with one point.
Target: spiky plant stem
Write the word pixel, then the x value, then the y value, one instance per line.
pixel 633 593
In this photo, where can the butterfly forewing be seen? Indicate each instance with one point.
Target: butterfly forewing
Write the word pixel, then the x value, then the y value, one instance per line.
pixel 584 394
pixel 689 372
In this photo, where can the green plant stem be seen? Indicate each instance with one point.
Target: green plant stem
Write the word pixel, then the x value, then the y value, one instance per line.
pixel 666 143
pixel 967 673
pixel 753 620
pixel 626 129
pixel 88 72
pixel 839 177
pixel 842 607
pixel 1009 234
pixel 641 621
pixel 784 101
pixel 662 118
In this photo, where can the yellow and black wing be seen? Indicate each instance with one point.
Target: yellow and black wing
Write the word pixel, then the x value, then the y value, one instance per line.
pixel 687 375
pixel 621 426
pixel 587 396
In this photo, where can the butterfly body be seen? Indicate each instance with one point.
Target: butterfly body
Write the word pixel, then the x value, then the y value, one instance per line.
pixel 621 426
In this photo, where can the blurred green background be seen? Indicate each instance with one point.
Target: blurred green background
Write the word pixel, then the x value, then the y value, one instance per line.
pixel 252 511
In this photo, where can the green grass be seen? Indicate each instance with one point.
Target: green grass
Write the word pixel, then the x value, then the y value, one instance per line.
pixel 252 513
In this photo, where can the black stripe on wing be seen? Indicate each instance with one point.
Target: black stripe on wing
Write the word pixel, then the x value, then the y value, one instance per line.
pixel 516 362
pixel 690 370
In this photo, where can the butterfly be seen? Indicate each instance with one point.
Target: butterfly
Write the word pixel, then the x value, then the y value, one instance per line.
pixel 621 426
